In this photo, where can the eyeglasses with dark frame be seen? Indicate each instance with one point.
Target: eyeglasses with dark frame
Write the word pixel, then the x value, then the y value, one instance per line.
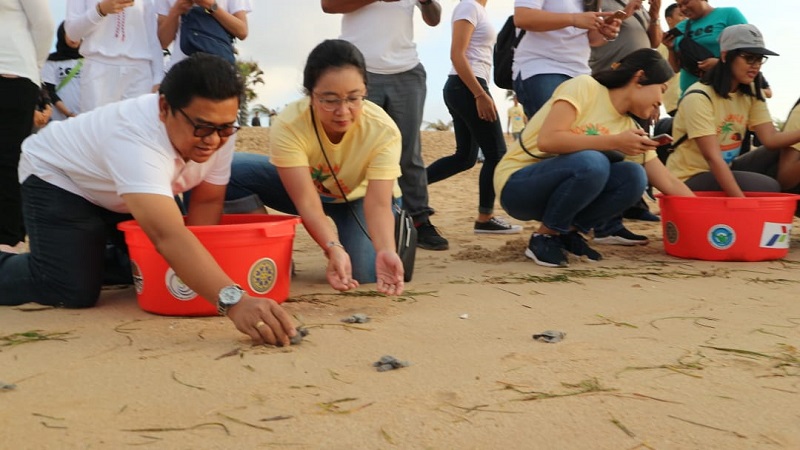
pixel 754 59
pixel 203 130
pixel 332 104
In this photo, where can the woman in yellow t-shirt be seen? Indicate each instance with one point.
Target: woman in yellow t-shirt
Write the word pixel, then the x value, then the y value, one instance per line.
pixel 582 159
pixel 329 147
pixel 715 113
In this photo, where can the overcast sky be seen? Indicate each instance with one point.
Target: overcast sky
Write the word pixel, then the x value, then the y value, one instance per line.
pixel 283 32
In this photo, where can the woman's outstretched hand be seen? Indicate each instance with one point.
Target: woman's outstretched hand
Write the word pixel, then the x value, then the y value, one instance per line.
pixel 389 271
pixel 339 272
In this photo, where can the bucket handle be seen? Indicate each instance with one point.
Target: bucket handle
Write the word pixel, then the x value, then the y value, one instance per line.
pixel 742 203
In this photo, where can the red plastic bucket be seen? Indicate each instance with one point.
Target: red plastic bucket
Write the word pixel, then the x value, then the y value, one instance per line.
pixel 255 250
pixel 715 227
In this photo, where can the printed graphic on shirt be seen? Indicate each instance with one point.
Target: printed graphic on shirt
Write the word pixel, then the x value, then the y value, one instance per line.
pixel 322 173
pixel 721 236
pixel 262 275
pixel 730 139
pixel 775 235
pixel 591 129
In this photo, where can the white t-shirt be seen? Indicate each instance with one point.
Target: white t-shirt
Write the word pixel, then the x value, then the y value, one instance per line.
pixel 127 38
pixel 120 148
pixel 163 7
pixel 54 72
pixel 26 36
pixel 564 51
pixel 479 50
pixel 384 32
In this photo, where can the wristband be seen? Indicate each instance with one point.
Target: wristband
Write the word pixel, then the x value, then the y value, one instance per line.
pixel 330 244
pixel 100 11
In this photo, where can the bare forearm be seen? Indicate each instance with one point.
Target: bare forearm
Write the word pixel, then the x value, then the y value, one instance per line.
pixel 562 142
pixel 380 223
pixel 168 28
pixel 778 140
pixel 538 20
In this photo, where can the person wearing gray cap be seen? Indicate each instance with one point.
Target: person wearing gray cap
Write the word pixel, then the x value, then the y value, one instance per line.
pixel 715 113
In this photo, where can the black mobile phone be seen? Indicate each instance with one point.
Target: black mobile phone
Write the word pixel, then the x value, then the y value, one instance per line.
pixel 674 32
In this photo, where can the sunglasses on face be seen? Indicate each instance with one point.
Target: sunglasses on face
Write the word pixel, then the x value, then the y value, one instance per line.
pixel 203 130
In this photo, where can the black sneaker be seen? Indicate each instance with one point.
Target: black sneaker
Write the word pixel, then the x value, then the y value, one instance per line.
pixel 576 244
pixel 546 250
pixel 496 225
pixel 428 237
pixel 622 237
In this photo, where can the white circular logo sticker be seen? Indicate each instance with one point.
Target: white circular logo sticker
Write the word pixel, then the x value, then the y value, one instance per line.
pixel 177 287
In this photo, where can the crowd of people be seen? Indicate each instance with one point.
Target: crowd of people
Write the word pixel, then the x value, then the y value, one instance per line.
pixel 590 79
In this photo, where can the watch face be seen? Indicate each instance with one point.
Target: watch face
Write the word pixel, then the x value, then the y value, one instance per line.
pixel 230 295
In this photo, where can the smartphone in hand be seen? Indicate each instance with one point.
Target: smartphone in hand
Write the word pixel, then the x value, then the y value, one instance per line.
pixel 662 139
pixel 617 15
pixel 674 32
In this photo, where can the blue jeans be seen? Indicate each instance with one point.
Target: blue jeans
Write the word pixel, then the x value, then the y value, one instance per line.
pixel 402 96
pixel 67 262
pixel 471 133
pixel 580 189
pixel 255 182
pixel 535 91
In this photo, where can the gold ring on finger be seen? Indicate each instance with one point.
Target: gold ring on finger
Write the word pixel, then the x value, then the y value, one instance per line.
pixel 260 324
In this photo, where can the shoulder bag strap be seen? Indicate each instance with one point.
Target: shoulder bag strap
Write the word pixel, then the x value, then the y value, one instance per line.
pixel 686 136
pixel 70 75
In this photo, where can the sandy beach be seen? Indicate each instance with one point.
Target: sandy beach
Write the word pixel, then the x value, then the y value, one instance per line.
pixel 660 353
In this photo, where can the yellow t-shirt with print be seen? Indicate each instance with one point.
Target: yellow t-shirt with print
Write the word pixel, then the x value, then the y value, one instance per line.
pixel 728 119
pixel 596 115
pixel 517 115
pixel 369 150
pixel 673 92
pixel 793 124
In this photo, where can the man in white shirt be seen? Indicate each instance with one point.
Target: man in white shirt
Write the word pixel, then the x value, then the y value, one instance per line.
pixel 83 176
pixel 383 30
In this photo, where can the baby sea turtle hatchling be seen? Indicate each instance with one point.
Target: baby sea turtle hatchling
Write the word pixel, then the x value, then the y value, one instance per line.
pixel 388 362
pixel 550 336
pixel 298 338
pixel 356 318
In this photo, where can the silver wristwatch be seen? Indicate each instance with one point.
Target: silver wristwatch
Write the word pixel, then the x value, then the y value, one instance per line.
pixel 228 296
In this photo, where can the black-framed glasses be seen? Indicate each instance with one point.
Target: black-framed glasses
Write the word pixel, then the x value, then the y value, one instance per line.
pixel 332 103
pixel 203 130
pixel 754 59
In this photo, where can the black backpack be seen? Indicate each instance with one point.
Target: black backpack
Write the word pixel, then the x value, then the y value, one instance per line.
pixel 507 41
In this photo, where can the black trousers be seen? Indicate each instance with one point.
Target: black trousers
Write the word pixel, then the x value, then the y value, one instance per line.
pixel 17 102
pixel 69 258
